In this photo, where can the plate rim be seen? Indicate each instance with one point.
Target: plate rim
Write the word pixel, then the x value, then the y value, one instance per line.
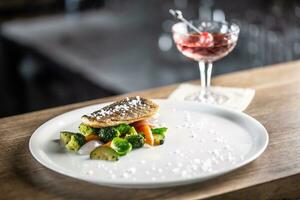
pixel 149 185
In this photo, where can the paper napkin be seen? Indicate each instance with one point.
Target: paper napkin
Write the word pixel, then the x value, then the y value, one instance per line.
pixel 238 98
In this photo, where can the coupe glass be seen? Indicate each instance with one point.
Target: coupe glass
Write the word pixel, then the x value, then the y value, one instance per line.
pixel 214 41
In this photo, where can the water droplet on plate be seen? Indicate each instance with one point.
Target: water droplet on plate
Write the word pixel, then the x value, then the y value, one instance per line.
pixel 125 175
pixel 175 170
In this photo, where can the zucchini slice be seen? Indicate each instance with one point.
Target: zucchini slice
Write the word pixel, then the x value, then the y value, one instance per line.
pixel 104 153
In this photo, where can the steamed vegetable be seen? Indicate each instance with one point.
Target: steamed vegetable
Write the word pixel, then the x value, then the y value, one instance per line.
pixel 65 137
pixel 88 147
pixel 104 153
pixel 77 140
pixel 109 143
pixel 91 137
pixel 123 128
pixel 136 140
pixel 121 146
pixel 72 141
pixel 146 130
pixel 132 131
pixel 159 135
pixel 159 139
pixel 108 133
pixel 160 131
pixel 87 130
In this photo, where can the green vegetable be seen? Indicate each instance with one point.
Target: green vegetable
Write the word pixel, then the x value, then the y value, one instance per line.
pixel 132 131
pixel 86 130
pixel 108 134
pixel 159 139
pixel 123 128
pixel 76 141
pixel 104 153
pixel 121 146
pixel 65 137
pixel 160 131
pixel 142 134
pixel 159 135
pixel 135 140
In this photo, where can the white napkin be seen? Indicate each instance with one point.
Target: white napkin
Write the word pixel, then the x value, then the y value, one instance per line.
pixel 238 98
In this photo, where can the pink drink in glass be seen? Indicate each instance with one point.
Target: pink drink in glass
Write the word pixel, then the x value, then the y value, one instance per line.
pixel 204 46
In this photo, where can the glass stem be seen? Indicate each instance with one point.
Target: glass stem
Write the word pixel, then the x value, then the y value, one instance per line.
pixel 205 75
pixel 202 75
pixel 208 76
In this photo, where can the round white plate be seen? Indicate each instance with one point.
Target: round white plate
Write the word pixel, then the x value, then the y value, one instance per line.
pixel 202 142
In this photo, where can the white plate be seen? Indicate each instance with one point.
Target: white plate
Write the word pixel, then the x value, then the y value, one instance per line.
pixel 202 142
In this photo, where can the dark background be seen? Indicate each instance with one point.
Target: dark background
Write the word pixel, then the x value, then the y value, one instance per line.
pixel 55 52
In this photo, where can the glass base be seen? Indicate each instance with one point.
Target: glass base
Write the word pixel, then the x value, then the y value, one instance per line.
pixel 209 97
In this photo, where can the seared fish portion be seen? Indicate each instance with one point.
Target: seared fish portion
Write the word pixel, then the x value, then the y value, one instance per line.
pixel 128 110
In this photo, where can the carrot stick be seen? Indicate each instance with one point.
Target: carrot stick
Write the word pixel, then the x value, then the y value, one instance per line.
pixel 107 144
pixel 149 139
pixel 91 137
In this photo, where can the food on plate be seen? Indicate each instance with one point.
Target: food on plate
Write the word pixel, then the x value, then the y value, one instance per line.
pixel 88 147
pixel 86 130
pixel 136 140
pixel 72 141
pixel 159 135
pixel 121 146
pixel 125 111
pixel 107 134
pixel 115 130
pixel 146 130
pixel 104 153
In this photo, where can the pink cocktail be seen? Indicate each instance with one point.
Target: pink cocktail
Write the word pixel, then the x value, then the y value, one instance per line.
pixel 213 41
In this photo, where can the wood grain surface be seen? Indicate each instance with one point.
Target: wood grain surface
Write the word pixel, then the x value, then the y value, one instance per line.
pixel 274 175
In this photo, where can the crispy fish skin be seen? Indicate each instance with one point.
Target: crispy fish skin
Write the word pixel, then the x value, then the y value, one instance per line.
pixel 128 110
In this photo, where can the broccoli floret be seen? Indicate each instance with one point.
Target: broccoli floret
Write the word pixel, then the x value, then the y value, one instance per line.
pixel 77 140
pixel 136 140
pixel 65 137
pixel 108 134
pixel 123 128
pixel 86 130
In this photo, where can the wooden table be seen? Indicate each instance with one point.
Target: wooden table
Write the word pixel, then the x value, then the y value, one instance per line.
pixel 275 175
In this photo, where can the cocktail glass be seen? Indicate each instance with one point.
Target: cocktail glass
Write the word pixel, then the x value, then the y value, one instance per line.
pixel 214 41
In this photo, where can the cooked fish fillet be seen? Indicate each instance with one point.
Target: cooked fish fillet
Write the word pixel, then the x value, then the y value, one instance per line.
pixel 128 110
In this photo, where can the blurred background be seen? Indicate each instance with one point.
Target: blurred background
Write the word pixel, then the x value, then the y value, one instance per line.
pixel 55 52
